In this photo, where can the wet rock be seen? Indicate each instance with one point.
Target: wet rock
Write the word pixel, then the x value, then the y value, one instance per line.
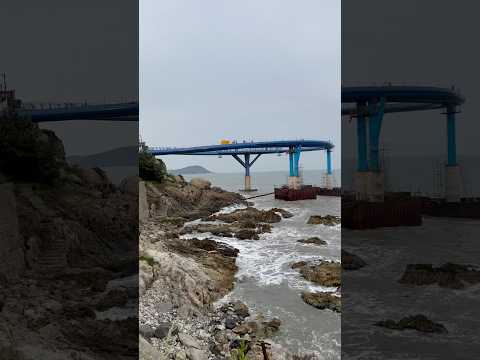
pixel 313 240
pixel 325 273
pixel 246 234
pixel 449 275
pixel 214 229
pixel 231 322
pixel 285 214
pixel 271 327
pixel 250 214
pixel 329 220
pixel 212 245
pixel 264 228
pixel 241 309
pixel 351 261
pixel 250 327
pixel 298 264
pixel 417 322
pixel 322 300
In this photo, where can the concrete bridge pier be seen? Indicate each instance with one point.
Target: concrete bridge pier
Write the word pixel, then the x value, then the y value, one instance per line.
pixel 453 179
pixel 329 175
pixel 369 180
pixel 247 165
pixel 294 181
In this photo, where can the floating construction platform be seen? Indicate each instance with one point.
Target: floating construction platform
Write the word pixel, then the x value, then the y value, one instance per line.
pixel 397 209
pixel 468 208
pixel 305 192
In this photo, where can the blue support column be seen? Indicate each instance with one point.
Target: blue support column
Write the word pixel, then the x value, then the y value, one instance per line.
pixel 361 138
pixel 374 127
pixel 247 164
pixel 296 158
pixel 329 161
pixel 451 137
pixel 290 157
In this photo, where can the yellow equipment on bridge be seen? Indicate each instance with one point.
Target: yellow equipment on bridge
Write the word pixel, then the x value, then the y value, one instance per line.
pixel 224 142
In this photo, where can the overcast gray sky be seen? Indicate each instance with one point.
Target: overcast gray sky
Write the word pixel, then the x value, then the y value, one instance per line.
pixel 63 51
pixel 409 42
pixel 250 69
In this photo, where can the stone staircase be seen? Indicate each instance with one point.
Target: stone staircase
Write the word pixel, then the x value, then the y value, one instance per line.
pixel 52 260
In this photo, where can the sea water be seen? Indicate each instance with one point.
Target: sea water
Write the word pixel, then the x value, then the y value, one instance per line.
pixel 265 280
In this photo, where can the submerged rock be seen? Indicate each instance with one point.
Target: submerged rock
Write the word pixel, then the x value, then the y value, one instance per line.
pixel 252 214
pixel 323 300
pixel 240 230
pixel 325 273
pixel 313 240
pixel 449 275
pixel 241 309
pixel 329 220
pixel 351 261
pixel 246 234
pixel 417 322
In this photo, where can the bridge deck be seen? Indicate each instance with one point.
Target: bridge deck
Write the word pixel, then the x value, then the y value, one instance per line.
pixel 259 147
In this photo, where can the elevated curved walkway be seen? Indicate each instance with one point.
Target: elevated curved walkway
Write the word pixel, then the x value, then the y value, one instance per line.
pixel 103 112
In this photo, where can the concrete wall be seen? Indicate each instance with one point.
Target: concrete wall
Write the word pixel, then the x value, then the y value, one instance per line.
pixel 12 262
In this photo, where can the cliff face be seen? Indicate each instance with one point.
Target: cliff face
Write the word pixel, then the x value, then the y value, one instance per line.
pixel 191 274
pixel 69 240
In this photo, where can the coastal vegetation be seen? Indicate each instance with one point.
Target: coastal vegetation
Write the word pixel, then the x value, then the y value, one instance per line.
pixel 151 168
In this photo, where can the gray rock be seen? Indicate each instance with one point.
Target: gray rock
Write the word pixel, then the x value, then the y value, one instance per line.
pixel 200 183
pixel 241 309
pixel 147 351
pixel 181 355
pixel 188 341
pixel 146 331
pixel 162 330
pixel 197 354
pixel 230 322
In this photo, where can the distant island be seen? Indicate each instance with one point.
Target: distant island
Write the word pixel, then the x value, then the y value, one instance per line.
pixel 123 156
pixel 195 169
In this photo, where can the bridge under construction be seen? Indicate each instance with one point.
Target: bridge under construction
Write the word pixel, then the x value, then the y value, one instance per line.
pixel 251 151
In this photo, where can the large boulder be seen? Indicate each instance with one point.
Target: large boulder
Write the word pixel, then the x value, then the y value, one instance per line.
pixel 328 220
pixel 325 273
pixel 200 183
pixel 249 214
pixel 417 322
pixel 351 261
pixel 323 300
pixel 449 275
pixel 313 241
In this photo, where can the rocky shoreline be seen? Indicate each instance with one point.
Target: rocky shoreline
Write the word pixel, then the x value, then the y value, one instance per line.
pixel 182 281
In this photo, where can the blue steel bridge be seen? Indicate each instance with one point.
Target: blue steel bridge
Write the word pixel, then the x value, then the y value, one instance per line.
pixel 369 104
pixel 251 151
pixel 127 111
pixel 372 102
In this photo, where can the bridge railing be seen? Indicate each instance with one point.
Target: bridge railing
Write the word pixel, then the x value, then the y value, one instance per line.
pixel 30 106
pixel 233 151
